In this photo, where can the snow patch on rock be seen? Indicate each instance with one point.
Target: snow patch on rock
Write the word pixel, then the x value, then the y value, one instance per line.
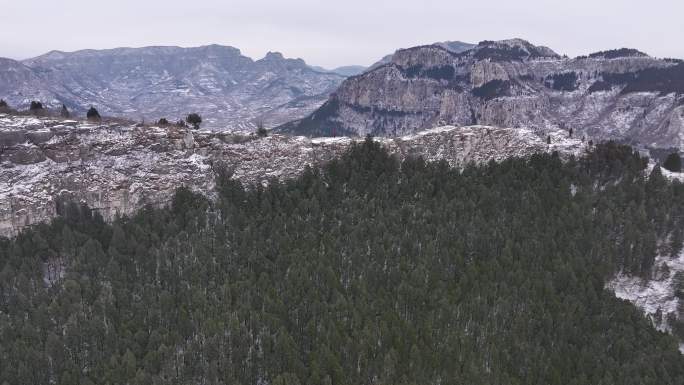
pixel 656 297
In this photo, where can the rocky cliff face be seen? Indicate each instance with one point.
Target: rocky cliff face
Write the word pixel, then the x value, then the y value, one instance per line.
pixel 621 94
pixel 229 90
pixel 117 169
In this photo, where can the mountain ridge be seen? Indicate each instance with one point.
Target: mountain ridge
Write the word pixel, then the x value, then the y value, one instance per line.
pixel 633 98
pixel 230 90
pixel 117 167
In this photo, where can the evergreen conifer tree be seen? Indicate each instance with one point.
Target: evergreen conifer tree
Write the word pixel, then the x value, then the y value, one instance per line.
pixel 194 119
pixel 64 112
pixel 261 130
pixel 35 106
pixel 673 162
pixel 92 114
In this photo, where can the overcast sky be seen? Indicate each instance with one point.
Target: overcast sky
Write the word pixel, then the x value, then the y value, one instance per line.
pixel 337 33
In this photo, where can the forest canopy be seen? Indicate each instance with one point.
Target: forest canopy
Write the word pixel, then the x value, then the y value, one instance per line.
pixel 367 271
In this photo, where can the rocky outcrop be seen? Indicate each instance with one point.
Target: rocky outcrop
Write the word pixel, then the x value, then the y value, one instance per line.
pixel 117 169
pixel 229 90
pixel 621 94
pixel 452 46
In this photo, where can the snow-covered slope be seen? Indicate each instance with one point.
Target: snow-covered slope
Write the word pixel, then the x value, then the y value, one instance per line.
pixel 657 296
pixel 117 169
pixel 229 90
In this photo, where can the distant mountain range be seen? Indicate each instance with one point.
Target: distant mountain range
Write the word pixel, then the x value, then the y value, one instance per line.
pixel 621 94
pixel 344 71
pixel 229 90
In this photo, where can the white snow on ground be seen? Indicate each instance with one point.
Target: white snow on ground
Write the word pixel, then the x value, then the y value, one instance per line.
pixel 678 176
pixel 329 140
pixel 431 131
pixel 656 294
pixel 651 295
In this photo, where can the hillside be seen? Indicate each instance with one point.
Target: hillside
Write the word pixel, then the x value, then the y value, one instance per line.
pixel 368 270
pixel 483 232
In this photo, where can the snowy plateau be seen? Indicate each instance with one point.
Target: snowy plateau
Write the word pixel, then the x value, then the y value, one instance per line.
pixel 116 169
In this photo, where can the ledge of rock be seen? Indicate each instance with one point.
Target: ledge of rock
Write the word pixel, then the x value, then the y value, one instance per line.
pixel 117 169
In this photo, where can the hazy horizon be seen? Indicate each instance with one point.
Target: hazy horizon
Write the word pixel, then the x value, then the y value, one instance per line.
pixel 359 33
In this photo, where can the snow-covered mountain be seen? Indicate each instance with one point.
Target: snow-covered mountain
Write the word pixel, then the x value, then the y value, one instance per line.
pixel 451 46
pixel 354 70
pixel 621 94
pixel 229 90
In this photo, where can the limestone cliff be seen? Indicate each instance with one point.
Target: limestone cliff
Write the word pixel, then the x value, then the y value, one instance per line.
pixel 117 169
pixel 621 94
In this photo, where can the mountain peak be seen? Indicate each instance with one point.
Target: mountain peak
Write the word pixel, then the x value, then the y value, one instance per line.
pixel 618 53
pixel 54 54
pixel 274 56
pixel 455 46
pixel 277 59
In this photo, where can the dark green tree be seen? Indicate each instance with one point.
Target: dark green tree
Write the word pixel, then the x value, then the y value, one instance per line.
pixel 92 114
pixel 261 130
pixel 194 119
pixel 64 112
pixel 673 162
pixel 367 270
